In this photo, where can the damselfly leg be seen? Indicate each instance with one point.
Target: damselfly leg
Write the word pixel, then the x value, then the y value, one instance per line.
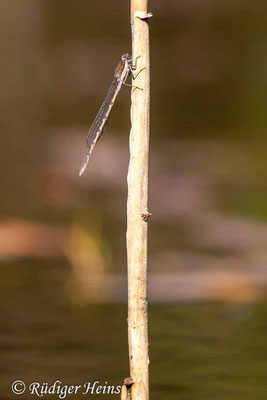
pixel 132 86
pixel 131 69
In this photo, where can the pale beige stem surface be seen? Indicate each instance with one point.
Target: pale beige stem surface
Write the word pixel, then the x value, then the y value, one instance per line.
pixel 138 205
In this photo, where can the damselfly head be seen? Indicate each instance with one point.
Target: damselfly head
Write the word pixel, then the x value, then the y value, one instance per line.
pixel 125 57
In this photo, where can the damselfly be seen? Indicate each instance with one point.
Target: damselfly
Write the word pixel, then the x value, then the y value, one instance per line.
pixel 98 126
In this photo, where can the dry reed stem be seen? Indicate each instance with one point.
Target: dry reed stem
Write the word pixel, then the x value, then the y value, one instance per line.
pixel 137 205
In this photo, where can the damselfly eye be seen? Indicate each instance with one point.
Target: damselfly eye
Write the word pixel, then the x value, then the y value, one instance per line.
pixel 126 57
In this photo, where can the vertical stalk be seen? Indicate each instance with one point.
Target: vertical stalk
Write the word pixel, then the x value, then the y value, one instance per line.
pixel 137 205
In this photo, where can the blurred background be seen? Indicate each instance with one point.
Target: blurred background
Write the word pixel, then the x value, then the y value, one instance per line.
pixel 62 238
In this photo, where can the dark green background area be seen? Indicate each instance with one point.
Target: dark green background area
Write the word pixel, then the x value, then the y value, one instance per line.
pixel 226 38
pixel 197 351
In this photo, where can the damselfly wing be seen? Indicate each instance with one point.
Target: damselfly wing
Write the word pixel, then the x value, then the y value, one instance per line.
pixel 95 132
